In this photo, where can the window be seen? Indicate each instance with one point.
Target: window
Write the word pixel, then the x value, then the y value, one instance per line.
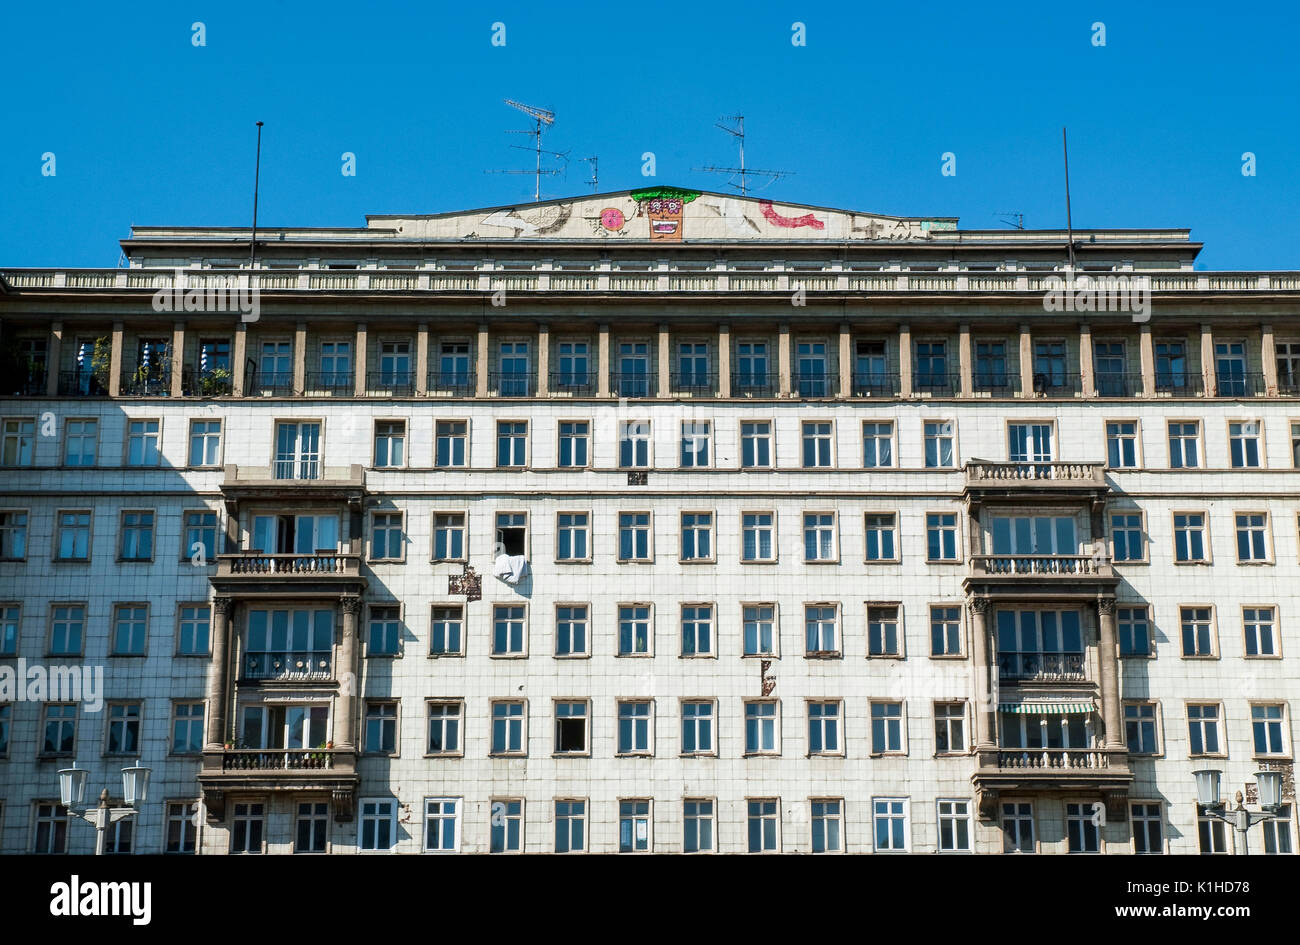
pixel 697 630
pixel 571 625
pixel 336 365
pixel 1034 535
pixel 931 366
pixel 1018 828
pixel 1126 536
pixel 67 623
pixel 872 369
pixel 1267 725
pixel 507 728
pixel 1140 728
pixel 394 365
pixel 311 827
pixel 74 536
pixel 19 440
pixel 390 443
pixel 512 443
pixel 205 443
pixel 447 636
pixel 1252 536
pixel 634 630
pixel 886 728
pixel 697 727
pixel 634 536
pixel 760 728
pixel 697 536
pixel 954 826
pixel 697 826
pixel 756 445
pixel 1171 366
pixel 824 728
pixel 182 827
pixel 827 826
pixel 1210 832
pixel 1121 444
pixel 512 533
pixel 451 443
pixel 991 366
pixel 939 451
pixel 449 536
pixel 507 833
pixel 633 826
pixel 1295 439
pixel 123 729
pixel 575 364
pixel 200 537
pixel 633 378
pixel 80 439
pixel 757 533
pixel 571 728
pixel 1277 833
pixel 1198 631
pixel 1243 444
pixel 1258 623
pixel 1230 369
pixel 816 444
pixel 570 826
pixel 277 364
pixel 941 536
pixel 143 447
pixel 819 537
pixel 385 634
pixel 810 372
pixel 634 736
pixel 445 719
pixel 60 727
pixel 877 445
pixel 1148 827
pixel 1189 537
pixel 508 630
pixel 883 636
pixel 1184 451
pixel 453 367
pixel 1203 729
pixel 764 821
pixel 949 728
pixel 187 728
pixel 575 438
pixel 881 545
pixel 572 536
pixel 381 728
pixel 378 828
pixel 441 824
pixel 297 451
pixel 890 815
pixel 634 444
pixel 1029 442
pixel 1034 644
pixel 50 830
pixel 386 542
pixel 1134 631
pixel 759 629
pixel 945 631
pixel 13 535
pixel 1288 366
pixel 9 617
pixel 751 366
pixel 1110 362
pixel 130 629
pixel 137 536
pixel 1082 831
pixel 514 369
pixel 695 443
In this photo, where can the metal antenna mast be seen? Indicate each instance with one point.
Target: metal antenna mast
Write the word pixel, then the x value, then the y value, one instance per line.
pixel 1069 223
pixel 541 117
pixel 744 173
pixel 1019 218
pixel 595 179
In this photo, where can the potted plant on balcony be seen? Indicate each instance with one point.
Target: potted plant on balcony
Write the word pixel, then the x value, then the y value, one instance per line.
pixel 215 382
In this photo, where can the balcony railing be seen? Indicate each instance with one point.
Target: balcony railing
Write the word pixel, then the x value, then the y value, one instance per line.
pixel 277 759
pixel 1040 666
pixel 30 383
pixel 633 384
pixel 391 382
pixel 451 383
pixel 693 382
pixel 311 564
pixel 1179 383
pixel 211 383
pixel 754 384
pixel 572 383
pixel 82 384
pixel 814 384
pixel 268 382
pixel 996 383
pixel 512 383
pixel 1239 385
pixel 338 383
pixel 936 383
pixel 1118 385
pixel 313 664
pixel 139 383
pixel 875 384
pixel 1057 384
pixel 979 471
pixel 1052 758
pixel 1039 565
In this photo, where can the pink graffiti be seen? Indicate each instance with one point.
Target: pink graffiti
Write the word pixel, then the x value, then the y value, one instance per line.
pixel 776 219
pixel 612 218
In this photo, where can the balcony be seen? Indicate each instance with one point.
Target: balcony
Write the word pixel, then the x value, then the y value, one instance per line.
pixel 993 480
pixel 754 384
pixel 82 384
pixel 1118 385
pixel 395 383
pixel 1041 667
pixel 1249 384
pixel 575 383
pixel 1095 771
pixel 935 384
pixel 145 383
pixel 328 771
pixel 1079 578
pixel 634 384
pixel 1040 565
pixel 512 383
pixel 1057 384
pixel 215 382
pixel 451 383
pixel 814 384
pixel 311 666
pixel 334 383
pixel 257 564
pixel 268 383
pixel 1179 384
pixel 875 384
pixel 693 383
pixel 995 383
pixel 279 759
pixel 30 382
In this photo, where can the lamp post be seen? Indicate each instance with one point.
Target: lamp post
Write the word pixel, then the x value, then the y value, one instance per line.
pixel 1241 819
pixel 72 788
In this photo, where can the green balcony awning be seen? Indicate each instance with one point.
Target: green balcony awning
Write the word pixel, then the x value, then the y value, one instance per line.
pixel 1046 708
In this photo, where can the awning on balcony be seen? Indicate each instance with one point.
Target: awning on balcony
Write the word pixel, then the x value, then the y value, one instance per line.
pixel 1046 708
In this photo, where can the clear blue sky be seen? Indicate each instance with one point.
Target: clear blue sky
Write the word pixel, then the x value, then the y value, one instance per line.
pixel 148 129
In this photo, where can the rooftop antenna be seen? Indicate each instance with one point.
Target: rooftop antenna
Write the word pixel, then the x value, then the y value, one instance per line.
pixel 595 179
pixel 257 176
pixel 541 117
pixel 1069 224
pixel 1018 220
pixel 744 173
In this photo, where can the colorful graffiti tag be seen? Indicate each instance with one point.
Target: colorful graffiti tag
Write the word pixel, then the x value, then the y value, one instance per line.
pixel 664 208
pixel 774 218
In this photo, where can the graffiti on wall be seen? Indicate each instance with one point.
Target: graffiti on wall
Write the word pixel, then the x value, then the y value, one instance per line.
pixel 664 208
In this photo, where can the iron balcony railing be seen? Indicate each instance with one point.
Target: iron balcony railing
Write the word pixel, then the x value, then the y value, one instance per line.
pixel 754 384
pixel 935 382
pixel 216 382
pixel 1118 385
pixel 444 383
pixel 277 759
pixel 337 383
pixel 814 384
pixel 1040 667
pixel 393 382
pixel 1250 384
pixel 575 383
pixel 1057 384
pixel 512 383
pixel 632 384
pixel 141 383
pixel 1179 383
pixel 308 664
pixel 82 384
pixel 875 383
pixel 268 382
pixel 693 382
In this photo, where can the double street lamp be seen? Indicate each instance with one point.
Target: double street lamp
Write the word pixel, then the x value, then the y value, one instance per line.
pixel 1241 819
pixel 72 788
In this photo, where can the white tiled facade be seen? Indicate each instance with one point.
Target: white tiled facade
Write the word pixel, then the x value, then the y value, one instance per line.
pixel 880 797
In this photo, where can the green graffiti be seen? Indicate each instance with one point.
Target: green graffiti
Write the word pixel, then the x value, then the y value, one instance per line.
pixel 664 193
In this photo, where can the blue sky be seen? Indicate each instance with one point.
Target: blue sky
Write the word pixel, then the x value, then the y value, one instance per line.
pixel 148 129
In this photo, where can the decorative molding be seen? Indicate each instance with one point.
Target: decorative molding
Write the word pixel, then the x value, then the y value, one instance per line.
pixel 224 606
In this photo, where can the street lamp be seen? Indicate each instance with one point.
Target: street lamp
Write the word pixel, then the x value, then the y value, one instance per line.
pixel 1270 800
pixel 72 788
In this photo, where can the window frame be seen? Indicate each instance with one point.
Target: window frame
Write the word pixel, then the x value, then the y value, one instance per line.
pixel 587 541
pixel 832 460
pixel 113 650
pixel 1220 728
pixel 522 751
pixel 1144 535
pixel 1138 459
pixel 839 750
pixel 930 608
pixel 1157 726
pixel 1284 730
pixel 1268 537
pixel 452 437
pixel 1206 546
pixel 527 436
pixel 522 652
pixel 402 536
pixel 1261 447
pixel 120 555
pixel 1275 633
pixel 221 443
pixel 649 557
pixel 770 438
pixel 1214 652
pixel 907 824
pixel 157 435
pixel 449 654
pixel 585 750
pixel 650 630
pixel 433 535
pixel 57 538
pixel 868 607
pixel 757 545
pixel 389 806
pixel 712 750
pixel 560 438
pixel 958 556
pixel 633 752
pixel 895 539
pixel 834 557
pixel 459 704
pixel 758 751
pixel 585 652
pixel 367 750
pixel 712 557
pixel 712 651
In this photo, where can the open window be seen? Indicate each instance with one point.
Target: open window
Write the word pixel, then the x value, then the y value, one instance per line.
pixel 512 533
pixel 570 727
pixel 295 534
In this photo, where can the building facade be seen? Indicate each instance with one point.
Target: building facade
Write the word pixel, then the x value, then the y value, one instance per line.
pixel 656 521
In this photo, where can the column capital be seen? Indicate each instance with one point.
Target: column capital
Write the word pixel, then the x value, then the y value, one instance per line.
pixel 223 605
pixel 351 605
pixel 1106 605
pixel 980 605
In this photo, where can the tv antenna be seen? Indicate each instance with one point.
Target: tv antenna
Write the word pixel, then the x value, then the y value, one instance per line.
pixel 594 182
pixel 541 117
pixel 1017 221
pixel 737 131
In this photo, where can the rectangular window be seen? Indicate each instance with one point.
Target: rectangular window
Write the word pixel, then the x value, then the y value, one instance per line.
pixel 575 366
pixel 573 531
pixel 1252 536
pixel 1268 724
pixel 954 826
pixel 634 630
pixel 507 833
pixel 931 372
pixel 50 830
pixel 336 366
pixel 760 630
pixel 941 536
pixel 200 537
pixel 760 728
pixel 130 629
pixel 634 536
pixel 824 728
pixel 13 535
pixel 1148 827
pixel 1203 729
pixel 819 537
pixel 1127 537
pixel 570 826
pixel 1184 445
pixel 871 370
pixel 945 631
pixel 1189 537
pixel 886 728
pixel 123 729
pixel 697 536
pixel 449 536
pixel 205 442
pixel 991 367
pixel 384 637
pixel 949 728
pixel 634 444
pixel 811 376
pixel 1121 444
pixel 764 823
pixel 508 637
pixel 571 728
pixel 394 366
pixel 137 536
pixel 187 728
pixel 1211 833
pixel 454 372
pixel 80 442
pixel 512 443
pixel 634 723
pixel 1197 631
pixel 1277 833
pixel 74 536
pixel 881 543
pixel 816 444
pixel 143 446
pixel 756 445
pixel 939 452
pixel 1258 623
pixel 752 367
pixel 695 443
pixel 697 630
pixel 575 438
pixel 60 729
pixel 1081 830
pixel 697 727
pixel 182 827
pixel 757 532
pixel 390 443
pixel 1018 828
pixel 1034 535
pixel 378 824
pixel 1140 728
pixel 448 633
pixel 1029 442
pixel 890 817
pixel 311 827
pixel 451 443
pixel 507 728
pixel 1134 631
pixel 19 442
pixel 1171 367
pixel 67 626
pixel 381 728
pixel 877 445
pixel 697 826
pixel 1243 444
pixel 386 540
pixel 9 621
pixel 571 629
pixel 827 826
pixel 445 721
pixel 633 826
pixel 883 631
pixel 441 824
pixel 297 451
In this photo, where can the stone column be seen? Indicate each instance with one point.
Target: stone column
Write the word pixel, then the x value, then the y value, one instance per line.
pixel 237 358
pixel 1108 681
pixel 359 385
pixel 986 691
pixel 300 358
pixel 177 358
pixel 1147 360
pixel 665 362
pixel 345 721
pixel 222 608
pixel 1207 361
pixel 115 362
pixel 422 358
pixel 1087 382
pixel 905 360
pixel 724 360
pixel 543 360
pixel 967 385
pixel 783 359
pixel 1026 362
pixel 846 361
pixel 602 361
pixel 482 362
pixel 53 359
pixel 1268 359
